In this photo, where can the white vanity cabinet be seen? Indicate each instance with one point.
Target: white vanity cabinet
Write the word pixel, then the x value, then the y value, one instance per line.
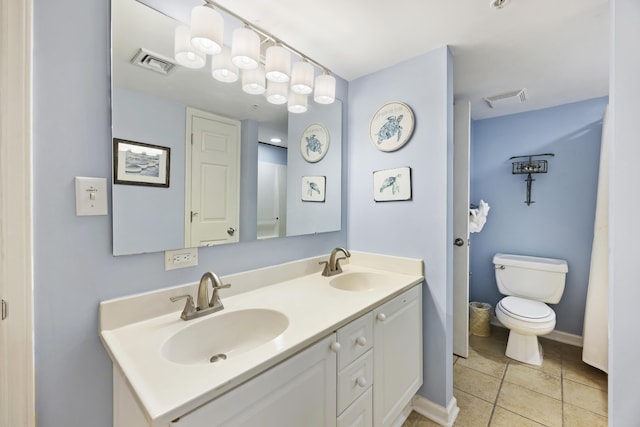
pixel 362 375
pixel 397 365
pixel 298 392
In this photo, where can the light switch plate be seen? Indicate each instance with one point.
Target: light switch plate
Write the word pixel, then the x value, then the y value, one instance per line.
pixel 91 196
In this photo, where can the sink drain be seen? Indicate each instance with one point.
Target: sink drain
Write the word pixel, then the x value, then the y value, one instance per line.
pixel 218 357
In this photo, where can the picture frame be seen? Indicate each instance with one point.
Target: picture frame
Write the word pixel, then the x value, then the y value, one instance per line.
pixel 391 126
pixel 314 143
pixel 313 188
pixel 392 184
pixel 137 163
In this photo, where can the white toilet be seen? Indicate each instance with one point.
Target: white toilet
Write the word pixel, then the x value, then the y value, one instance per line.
pixel 529 282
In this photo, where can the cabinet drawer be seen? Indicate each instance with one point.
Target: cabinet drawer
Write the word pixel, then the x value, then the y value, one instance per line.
pixel 355 339
pixel 354 380
pixel 360 413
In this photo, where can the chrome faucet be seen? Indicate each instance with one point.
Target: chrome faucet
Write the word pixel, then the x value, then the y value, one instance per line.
pixel 205 306
pixel 332 267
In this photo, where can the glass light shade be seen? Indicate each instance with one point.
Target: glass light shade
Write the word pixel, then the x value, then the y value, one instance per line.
pixel 277 92
pixel 302 78
pixel 278 64
pixel 184 52
pixel 222 69
pixel 253 81
pixel 325 92
pixel 207 28
pixel 297 103
pixel 245 49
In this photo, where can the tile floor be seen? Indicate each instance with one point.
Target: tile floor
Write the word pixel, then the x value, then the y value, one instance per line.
pixel 493 390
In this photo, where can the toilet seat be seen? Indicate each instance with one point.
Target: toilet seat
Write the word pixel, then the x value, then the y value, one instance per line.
pixel 526 310
pixel 536 318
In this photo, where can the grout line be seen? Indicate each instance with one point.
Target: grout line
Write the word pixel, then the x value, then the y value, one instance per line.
pixel 495 403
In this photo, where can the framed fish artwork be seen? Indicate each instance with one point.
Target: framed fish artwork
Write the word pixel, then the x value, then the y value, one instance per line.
pixel 391 126
pixel 314 143
pixel 392 184
pixel 313 188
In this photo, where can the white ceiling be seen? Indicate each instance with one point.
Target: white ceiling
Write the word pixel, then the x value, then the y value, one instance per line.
pixel 556 49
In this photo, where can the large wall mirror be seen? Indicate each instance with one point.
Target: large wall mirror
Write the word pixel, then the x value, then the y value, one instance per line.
pixel 274 189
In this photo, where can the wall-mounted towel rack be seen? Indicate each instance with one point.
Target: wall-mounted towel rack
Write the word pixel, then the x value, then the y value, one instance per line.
pixel 528 167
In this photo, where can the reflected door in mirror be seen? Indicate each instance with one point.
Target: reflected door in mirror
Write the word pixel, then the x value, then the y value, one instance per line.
pixel 214 184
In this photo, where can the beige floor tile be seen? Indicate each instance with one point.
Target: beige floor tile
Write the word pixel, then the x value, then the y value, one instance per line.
pixel 551 364
pixel 571 352
pixel 455 358
pixel 578 417
pixel 535 380
pixel 551 347
pixel 486 362
pixel 496 344
pixel 530 404
pixel 417 420
pixel 585 397
pixel 474 412
pixel 580 372
pixel 476 383
pixel 503 418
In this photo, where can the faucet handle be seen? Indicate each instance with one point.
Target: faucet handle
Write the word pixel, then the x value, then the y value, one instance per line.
pixel 325 270
pixel 220 286
pixel 189 308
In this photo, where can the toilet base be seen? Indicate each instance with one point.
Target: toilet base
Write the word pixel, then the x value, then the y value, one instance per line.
pixel 524 348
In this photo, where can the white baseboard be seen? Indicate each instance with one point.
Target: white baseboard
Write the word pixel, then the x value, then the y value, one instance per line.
pixel 563 337
pixel 436 413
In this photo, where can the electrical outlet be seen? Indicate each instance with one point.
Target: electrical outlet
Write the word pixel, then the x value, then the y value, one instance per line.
pixel 180 258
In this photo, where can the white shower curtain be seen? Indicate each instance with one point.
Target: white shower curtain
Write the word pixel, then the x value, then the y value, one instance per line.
pixel 595 334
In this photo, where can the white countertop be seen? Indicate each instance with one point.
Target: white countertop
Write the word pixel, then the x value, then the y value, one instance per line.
pixel 314 309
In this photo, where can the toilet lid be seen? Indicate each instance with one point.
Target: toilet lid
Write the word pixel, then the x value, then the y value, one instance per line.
pixel 526 308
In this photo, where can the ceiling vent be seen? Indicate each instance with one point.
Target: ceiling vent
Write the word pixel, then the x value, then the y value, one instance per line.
pixel 506 99
pixel 152 61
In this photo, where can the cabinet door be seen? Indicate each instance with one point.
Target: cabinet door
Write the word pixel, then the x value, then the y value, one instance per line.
pixel 301 391
pixel 397 368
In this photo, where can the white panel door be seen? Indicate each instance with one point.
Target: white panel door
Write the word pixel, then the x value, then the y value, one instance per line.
pixel 461 142
pixel 214 181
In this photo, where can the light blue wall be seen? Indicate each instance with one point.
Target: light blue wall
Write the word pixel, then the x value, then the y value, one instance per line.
pixel 418 228
pixel 560 223
pixel 153 120
pixel 73 264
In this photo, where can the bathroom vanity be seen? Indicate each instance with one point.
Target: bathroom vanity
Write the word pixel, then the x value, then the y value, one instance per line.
pixel 301 349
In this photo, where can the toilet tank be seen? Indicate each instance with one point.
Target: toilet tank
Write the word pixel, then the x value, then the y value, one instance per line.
pixel 540 279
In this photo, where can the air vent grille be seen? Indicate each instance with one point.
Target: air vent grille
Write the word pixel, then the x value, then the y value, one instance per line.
pixel 507 98
pixel 152 61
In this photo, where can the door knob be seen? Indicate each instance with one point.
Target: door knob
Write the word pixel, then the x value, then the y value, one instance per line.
pixel 230 231
pixel 458 242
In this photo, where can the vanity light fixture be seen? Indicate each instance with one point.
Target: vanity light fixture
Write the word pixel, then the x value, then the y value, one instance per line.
pixel 272 73
pixel 277 64
pixel 302 78
pixel 184 52
pixel 207 29
pixel 325 92
pixel 297 103
pixel 222 69
pixel 245 49
pixel 277 92
pixel 253 81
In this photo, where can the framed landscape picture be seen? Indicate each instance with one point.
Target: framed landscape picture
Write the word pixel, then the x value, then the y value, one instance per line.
pixel 136 163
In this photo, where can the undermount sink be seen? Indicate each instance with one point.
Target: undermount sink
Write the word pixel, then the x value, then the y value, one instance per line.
pixel 359 281
pixel 224 335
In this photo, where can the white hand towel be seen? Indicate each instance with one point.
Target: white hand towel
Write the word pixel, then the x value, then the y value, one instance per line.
pixel 478 217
